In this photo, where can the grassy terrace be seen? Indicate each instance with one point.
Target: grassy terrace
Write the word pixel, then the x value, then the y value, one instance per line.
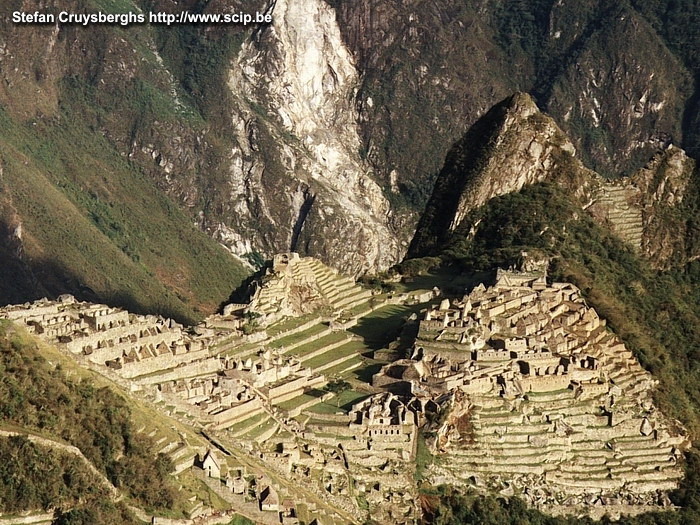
pixel 299 336
pixel 500 413
pixel 345 368
pixel 261 429
pixel 369 368
pixel 366 305
pixel 327 357
pixel 383 326
pixel 342 402
pixel 243 349
pixel 559 392
pixel 321 421
pixel 242 425
pixel 491 410
pixel 324 341
pixel 449 281
pixel 311 395
pixel 289 323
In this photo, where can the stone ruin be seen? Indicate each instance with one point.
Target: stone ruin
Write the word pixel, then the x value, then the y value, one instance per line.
pixel 541 399
pixel 294 286
pixel 520 388
pixel 220 378
pixel 242 388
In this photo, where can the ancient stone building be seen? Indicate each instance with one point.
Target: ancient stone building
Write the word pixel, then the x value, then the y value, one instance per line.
pixel 542 398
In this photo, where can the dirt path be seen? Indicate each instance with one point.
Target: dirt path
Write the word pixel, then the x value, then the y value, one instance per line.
pixel 70 449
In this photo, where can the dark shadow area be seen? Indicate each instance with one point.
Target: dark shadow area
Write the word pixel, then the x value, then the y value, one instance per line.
pixel 25 280
pixel 365 373
pixel 245 290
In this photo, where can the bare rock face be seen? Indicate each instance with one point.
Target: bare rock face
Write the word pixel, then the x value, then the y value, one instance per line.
pixel 299 71
pixel 648 209
pixel 515 145
pixel 512 146
pixel 665 186
pixel 528 147
pixel 322 132
pixel 617 99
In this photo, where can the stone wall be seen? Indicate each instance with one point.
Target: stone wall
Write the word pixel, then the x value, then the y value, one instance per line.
pixel 210 365
pixel 294 388
pixel 237 413
pixel 167 362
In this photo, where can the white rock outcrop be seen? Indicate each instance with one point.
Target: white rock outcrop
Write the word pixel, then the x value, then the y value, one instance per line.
pixel 298 81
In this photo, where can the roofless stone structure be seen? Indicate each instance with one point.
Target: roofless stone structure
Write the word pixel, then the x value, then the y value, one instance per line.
pixel 543 400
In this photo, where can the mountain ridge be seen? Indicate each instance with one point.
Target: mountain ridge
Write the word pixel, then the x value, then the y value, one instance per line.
pixel 515 145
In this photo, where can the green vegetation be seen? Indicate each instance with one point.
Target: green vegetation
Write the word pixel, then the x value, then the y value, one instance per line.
pixel 98 512
pixel 299 336
pixel 34 477
pixel 97 227
pixel 37 396
pixel 656 313
pixel 342 402
pixel 337 386
pixel 382 326
pixel 241 520
pixel 423 457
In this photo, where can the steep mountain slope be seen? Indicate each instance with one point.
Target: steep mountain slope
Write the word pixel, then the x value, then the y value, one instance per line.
pixel 250 130
pixel 431 69
pixel 512 146
pixel 304 79
pixel 654 312
pixel 77 218
pixel 322 131
pixel 515 145
pixel 513 185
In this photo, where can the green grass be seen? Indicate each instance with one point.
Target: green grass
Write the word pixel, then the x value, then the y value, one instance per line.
pixel 240 520
pixel 295 402
pixel 369 368
pixel 289 323
pixel 299 336
pixel 341 403
pixel 261 429
pixel 299 400
pixel 327 340
pixel 247 422
pixel 342 368
pixel 362 308
pixel 382 326
pixel 331 355
pixel 97 227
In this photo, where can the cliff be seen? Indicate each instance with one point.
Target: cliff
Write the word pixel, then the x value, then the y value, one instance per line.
pixel 515 145
pixel 319 133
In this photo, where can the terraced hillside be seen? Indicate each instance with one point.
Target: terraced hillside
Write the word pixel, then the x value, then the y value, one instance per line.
pixel 621 212
pixel 295 286
pixel 544 401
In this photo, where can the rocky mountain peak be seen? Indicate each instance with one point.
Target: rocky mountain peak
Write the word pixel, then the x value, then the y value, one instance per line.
pixel 519 107
pixel 515 145
pixel 667 191
pixel 666 176
pixel 512 146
